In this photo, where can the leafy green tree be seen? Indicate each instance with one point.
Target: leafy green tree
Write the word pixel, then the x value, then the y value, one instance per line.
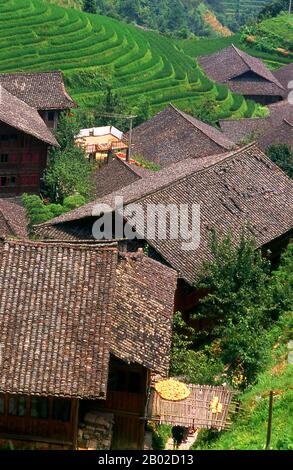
pixel 282 155
pixel 69 172
pixel 90 6
pixel 282 284
pixel 207 111
pixel 238 305
pixel 199 367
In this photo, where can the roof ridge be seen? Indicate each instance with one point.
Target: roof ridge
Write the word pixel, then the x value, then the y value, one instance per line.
pixel 128 166
pixel 227 156
pixel 35 111
pixel 243 54
pixel 106 246
pixel 33 73
pixel 192 120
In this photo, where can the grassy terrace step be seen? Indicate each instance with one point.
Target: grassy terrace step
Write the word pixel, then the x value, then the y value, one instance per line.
pixel 139 62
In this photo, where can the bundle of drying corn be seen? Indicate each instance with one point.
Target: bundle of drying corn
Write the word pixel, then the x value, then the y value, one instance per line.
pixel 171 389
pixel 216 406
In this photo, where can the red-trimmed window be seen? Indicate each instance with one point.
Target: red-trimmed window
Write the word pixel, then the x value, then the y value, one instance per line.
pixel 7 181
pixel 29 180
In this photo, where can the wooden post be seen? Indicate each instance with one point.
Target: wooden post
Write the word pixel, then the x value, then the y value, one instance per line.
pixel 270 420
pixel 129 154
pixel 290 7
pixel 75 424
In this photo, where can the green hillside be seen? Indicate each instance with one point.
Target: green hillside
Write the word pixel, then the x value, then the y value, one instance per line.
pixel 249 429
pixel 236 13
pixel 198 47
pixel 84 46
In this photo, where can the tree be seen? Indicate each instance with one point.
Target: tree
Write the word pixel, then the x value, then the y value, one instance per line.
pixel 238 305
pixel 282 284
pixel 282 155
pixel 90 6
pixel 207 111
pixel 69 171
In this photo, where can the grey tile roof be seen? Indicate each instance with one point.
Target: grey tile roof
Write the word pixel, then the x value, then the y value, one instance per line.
pixel 283 134
pixel 238 129
pixel 55 314
pixel 65 306
pixel 138 189
pixel 13 221
pixel 40 90
pixel 21 116
pixel 227 64
pixel 284 75
pixel 242 188
pixel 172 136
pixel 116 174
pixel 142 322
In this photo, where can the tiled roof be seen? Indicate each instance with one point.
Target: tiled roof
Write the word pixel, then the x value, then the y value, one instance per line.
pixel 13 221
pixel 146 289
pixel 285 75
pixel 131 193
pixel 62 313
pixel 55 314
pixel 116 174
pixel 172 136
pixel 227 64
pixel 238 129
pixel 40 90
pixel 282 134
pixel 21 116
pixel 239 189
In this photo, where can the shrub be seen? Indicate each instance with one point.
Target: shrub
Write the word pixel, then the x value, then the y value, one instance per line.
pixel 282 155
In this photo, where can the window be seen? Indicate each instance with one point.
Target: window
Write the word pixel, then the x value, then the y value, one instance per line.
pixel 17 406
pixel 4 158
pixel 3 181
pixel 121 380
pixel 40 408
pixel 51 115
pixel 61 409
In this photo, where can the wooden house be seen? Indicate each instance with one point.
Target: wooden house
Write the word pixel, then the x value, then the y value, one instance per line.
pixel 236 191
pixel 244 74
pixel 44 91
pixel 172 136
pixel 81 329
pixel 24 143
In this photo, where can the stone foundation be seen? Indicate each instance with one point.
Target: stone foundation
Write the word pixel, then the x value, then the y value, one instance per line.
pixel 96 431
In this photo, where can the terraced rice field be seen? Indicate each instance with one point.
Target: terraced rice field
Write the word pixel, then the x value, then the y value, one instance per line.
pixel 243 7
pixel 206 46
pixel 39 36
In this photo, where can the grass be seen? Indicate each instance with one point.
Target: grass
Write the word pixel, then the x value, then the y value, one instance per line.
pixel 199 47
pixel 87 47
pixel 231 7
pixel 250 427
pixel 281 26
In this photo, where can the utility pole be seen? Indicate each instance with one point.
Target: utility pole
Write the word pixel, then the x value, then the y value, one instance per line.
pixel 128 118
pixel 270 420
